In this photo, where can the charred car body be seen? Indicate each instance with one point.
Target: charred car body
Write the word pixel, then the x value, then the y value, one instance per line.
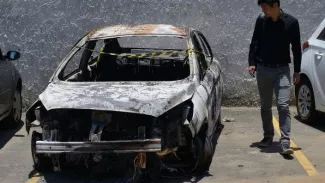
pixel 107 98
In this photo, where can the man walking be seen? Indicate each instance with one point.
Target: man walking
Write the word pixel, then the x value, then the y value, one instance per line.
pixel 269 56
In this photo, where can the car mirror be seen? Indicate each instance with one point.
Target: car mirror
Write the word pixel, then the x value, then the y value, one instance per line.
pixel 13 55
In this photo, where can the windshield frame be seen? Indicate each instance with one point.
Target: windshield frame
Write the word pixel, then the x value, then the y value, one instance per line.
pixel 83 41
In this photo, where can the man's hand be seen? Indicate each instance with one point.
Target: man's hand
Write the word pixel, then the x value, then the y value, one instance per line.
pixel 296 78
pixel 252 70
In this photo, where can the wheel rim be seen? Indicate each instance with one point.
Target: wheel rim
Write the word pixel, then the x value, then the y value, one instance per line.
pixel 304 101
pixel 16 106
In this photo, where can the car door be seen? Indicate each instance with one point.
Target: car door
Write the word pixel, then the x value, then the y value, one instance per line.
pixel 5 86
pixel 213 80
pixel 318 53
pixel 206 92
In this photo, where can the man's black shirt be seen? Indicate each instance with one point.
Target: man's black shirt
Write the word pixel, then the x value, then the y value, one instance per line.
pixel 271 41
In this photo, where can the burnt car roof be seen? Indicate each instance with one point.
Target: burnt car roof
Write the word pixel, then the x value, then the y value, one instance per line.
pixel 137 30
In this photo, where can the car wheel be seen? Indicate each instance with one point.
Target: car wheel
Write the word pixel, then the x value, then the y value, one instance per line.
pixel 41 163
pixel 16 111
pixel 217 133
pixel 204 153
pixel 305 101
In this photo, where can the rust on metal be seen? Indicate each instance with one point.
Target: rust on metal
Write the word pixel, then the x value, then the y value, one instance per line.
pixel 93 31
pixel 140 160
pixel 144 29
pixel 136 30
pixel 180 31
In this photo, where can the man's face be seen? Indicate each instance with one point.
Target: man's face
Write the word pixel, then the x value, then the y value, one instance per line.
pixel 267 9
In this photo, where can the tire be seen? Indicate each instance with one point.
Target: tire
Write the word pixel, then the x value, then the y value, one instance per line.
pixel 215 136
pixel 14 118
pixel 204 154
pixel 210 146
pixel 41 163
pixel 305 101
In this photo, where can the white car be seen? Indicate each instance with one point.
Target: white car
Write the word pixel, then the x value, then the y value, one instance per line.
pixel 310 92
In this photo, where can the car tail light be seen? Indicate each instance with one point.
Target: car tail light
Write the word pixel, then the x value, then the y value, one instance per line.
pixel 305 45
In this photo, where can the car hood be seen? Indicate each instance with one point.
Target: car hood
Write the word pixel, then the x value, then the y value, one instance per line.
pixel 145 98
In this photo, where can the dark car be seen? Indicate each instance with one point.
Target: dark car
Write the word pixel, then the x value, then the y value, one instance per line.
pixel 10 89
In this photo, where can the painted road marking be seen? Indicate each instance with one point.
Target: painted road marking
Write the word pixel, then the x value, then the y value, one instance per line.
pixel 302 159
pixel 34 178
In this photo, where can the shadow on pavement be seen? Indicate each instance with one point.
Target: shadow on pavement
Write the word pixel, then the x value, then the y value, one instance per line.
pixel 191 179
pixel 274 148
pixel 77 175
pixel 7 133
pixel 318 124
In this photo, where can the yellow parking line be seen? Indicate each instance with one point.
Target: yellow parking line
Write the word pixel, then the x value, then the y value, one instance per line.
pixel 34 178
pixel 302 159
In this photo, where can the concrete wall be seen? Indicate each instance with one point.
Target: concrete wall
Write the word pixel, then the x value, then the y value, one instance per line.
pixel 45 30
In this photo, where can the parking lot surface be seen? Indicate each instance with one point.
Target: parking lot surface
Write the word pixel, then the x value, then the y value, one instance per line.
pixel 237 157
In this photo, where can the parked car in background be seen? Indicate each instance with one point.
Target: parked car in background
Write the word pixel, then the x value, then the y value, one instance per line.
pixel 151 90
pixel 10 89
pixel 310 92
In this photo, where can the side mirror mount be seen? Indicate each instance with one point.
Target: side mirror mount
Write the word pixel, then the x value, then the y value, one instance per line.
pixel 12 55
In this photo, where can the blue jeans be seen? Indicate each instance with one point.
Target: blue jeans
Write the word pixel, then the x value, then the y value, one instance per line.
pixel 279 81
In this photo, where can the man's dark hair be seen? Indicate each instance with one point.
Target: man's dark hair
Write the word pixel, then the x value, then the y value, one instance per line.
pixel 269 2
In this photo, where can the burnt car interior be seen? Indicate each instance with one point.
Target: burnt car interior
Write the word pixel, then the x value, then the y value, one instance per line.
pixel 99 67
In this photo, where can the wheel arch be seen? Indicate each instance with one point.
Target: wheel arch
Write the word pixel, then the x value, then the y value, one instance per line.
pixel 305 76
pixel 19 85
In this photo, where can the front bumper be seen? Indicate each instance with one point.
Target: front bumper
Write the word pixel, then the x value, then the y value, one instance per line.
pixel 120 146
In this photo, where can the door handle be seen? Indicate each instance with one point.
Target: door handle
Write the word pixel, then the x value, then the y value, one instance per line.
pixel 319 56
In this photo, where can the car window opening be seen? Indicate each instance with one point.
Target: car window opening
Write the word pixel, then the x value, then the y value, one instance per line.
pixel 94 62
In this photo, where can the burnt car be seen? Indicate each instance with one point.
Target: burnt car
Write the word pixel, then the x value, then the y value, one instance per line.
pixel 148 90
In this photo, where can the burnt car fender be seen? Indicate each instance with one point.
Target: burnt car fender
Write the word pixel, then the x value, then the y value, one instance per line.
pixel 30 114
pixel 207 102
